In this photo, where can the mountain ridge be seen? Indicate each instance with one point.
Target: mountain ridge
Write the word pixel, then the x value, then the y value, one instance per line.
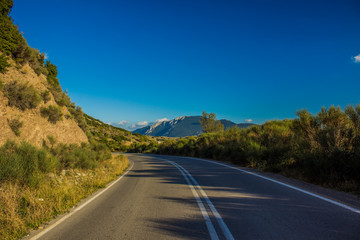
pixel 182 126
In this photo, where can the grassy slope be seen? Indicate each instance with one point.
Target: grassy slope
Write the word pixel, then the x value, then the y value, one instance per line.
pixel 117 139
pixel 23 208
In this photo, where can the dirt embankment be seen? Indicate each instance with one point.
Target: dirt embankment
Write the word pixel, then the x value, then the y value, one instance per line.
pixel 35 128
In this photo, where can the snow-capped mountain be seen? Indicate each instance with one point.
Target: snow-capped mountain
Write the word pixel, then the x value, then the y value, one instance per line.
pixel 181 127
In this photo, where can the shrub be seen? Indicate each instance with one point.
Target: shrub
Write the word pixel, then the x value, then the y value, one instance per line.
pixel 27 165
pixel 322 148
pixel 53 113
pixel 10 36
pixel 15 125
pixel 3 63
pixel 52 140
pixel 45 96
pixel 13 44
pixel 21 96
pixel 24 163
pixel 78 115
pixel 87 156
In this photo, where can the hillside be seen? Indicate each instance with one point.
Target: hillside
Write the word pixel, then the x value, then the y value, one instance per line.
pixel 73 126
pixel 117 139
pixel 33 106
pixel 182 127
pixel 47 149
pixel 20 84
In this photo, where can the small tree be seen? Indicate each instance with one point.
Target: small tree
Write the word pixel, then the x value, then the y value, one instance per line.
pixel 209 123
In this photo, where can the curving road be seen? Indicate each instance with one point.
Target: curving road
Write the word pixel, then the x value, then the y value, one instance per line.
pixel 167 197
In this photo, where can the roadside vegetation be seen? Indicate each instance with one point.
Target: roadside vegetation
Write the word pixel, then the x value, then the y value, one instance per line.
pixel 37 184
pixel 323 148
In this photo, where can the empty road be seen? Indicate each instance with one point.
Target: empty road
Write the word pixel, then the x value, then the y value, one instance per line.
pixel 168 197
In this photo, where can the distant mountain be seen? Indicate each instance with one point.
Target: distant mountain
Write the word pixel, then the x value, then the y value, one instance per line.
pixel 182 127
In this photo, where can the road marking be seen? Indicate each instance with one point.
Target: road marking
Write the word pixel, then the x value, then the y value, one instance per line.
pixel 208 222
pixel 42 233
pixel 218 217
pixel 284 184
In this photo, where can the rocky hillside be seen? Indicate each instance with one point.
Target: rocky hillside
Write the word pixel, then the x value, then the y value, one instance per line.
pixel 182 127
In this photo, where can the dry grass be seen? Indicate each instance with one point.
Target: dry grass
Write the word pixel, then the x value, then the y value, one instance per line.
pixel 35 128
pixel 23 208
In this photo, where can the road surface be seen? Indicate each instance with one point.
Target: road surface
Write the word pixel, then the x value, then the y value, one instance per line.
pixel 167 197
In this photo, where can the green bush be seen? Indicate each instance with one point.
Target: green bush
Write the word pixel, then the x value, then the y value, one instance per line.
pixel 45 96
pixel 322 148
pixel 87 156
pixel 52 112
pixel 15 125
pixel 10 36
pixel 21 95
pixel 13 44
pixel 78 115
pixel 24 163
pixel 5 7
pixel 3 63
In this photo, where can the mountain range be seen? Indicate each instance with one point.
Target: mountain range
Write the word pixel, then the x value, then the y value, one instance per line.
pixel 182 127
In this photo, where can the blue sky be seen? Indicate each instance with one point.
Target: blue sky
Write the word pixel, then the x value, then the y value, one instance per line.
pixel 147 60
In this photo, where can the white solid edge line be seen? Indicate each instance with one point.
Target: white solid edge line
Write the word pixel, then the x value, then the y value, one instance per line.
pixel 284 184
pixel 217 215
pixel 46 230
pixel 209 225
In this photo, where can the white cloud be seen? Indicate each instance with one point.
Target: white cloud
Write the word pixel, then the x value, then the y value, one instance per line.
pixel 357 58
pixel 46 56
pixel 139 125
pixel 162 120
pixel 143 123
pixel 123 122
pixel 248 120
pixel 128 125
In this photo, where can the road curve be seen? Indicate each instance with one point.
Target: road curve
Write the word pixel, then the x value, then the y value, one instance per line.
pixel 167 197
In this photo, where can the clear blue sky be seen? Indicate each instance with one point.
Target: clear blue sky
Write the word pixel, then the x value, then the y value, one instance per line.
pixel 144 60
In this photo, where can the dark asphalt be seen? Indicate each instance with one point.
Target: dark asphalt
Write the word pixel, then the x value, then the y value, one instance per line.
pixel 154 201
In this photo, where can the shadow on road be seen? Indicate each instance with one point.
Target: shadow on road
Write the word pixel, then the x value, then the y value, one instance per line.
pixel 252 208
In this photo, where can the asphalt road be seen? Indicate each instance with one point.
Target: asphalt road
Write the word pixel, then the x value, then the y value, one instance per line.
pixel 165 197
